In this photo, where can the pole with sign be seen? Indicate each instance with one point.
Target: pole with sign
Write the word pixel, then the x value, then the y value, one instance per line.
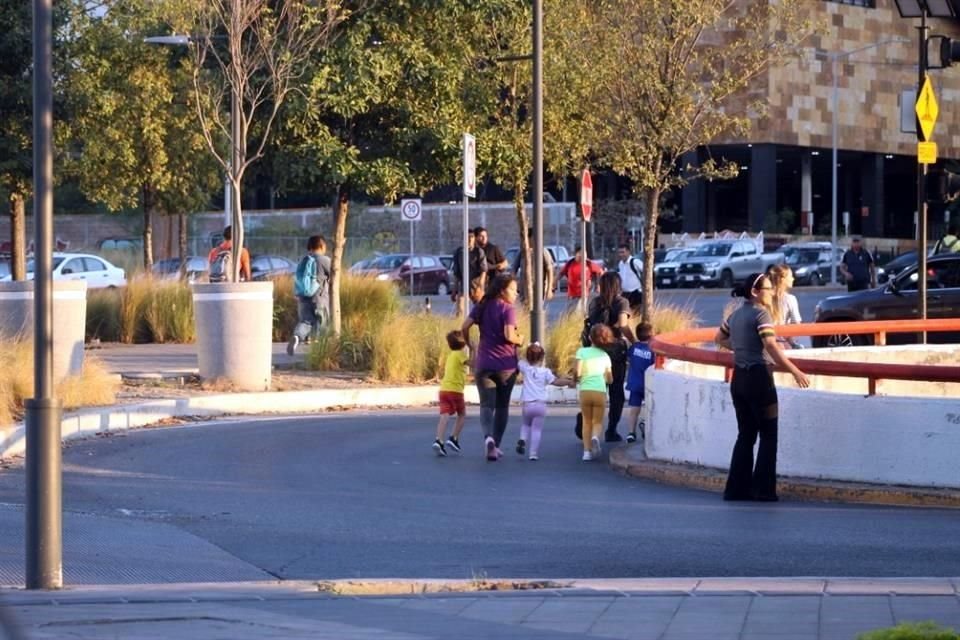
pixel 927 112
pixel 469 191
pixel 586 210
pixel 411 210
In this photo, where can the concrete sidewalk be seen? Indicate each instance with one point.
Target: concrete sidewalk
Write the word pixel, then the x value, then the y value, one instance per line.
pixel 735 609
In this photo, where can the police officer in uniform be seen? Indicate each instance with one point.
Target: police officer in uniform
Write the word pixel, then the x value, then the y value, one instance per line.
pixel 749 333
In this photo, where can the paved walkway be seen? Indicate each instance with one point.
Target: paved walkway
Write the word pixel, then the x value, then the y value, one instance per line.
pixel 166 360
pixel 664 610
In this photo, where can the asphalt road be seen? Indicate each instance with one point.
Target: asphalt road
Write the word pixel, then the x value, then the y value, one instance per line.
pixel 362 495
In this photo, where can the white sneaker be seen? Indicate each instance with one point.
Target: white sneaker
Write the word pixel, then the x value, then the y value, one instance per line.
pixel 595 446
pixel 587 456
pixel 534 456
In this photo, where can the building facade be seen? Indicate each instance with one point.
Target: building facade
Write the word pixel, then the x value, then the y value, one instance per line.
pixel 785 161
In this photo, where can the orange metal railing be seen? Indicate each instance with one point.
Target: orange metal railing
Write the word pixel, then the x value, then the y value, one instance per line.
pixel 678 345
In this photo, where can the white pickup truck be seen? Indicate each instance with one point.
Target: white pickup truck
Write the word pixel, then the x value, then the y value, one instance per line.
pixel 723 263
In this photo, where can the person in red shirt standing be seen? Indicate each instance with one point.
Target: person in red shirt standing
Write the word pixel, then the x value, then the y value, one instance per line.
pixel 573 270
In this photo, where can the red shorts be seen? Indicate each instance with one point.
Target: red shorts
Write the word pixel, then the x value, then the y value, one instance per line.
pixel 451 402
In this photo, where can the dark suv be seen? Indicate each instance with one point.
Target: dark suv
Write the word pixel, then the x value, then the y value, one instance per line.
pixel 896 300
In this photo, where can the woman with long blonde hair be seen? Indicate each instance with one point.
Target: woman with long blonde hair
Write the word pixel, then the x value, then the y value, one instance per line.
pixel 784 307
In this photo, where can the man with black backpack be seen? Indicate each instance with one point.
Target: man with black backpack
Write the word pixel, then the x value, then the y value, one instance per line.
pixel 221 260
pixel 311 287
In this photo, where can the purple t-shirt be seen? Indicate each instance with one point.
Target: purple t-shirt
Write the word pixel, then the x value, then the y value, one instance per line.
pixel 494 353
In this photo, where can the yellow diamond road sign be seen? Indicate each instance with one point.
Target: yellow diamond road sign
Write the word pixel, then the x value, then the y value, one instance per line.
pixel 927 109
pixel 927 152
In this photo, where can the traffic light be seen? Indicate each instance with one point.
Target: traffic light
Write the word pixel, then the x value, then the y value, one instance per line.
pixel 943 183
pixel 949 51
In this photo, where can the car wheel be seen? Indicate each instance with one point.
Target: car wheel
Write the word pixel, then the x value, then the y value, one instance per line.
pixel 726 279
pixel 442 289
pixel 815 280
pixel 842 340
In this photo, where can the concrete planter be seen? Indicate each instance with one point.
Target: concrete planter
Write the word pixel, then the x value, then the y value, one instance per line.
pixel 69 320
pixel 234 324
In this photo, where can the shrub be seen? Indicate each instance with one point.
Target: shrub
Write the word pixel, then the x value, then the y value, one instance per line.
pixel 911 631
pixel 103 315
pixel 668 318
pixel 168 312
pixel 94 386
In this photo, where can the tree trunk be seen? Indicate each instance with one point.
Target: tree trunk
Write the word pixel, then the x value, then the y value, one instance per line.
pixel 525 254
pixel 149 206
pixel 236 224
pixel 18 237
pixel 649 246
pixel 336 262
pixel 182 242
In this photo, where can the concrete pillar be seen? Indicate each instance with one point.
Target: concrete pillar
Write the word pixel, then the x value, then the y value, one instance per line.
pixel 693 198
pixel 806 194
pixel 763 184
pixel 872 197
pixel 69 321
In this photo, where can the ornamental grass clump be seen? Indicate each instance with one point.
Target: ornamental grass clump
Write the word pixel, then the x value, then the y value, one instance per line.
pixel 912 631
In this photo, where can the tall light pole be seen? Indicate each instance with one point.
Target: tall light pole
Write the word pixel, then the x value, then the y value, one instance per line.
pixel 834 102
pixel 44 512
pixel 228 206
pixel 537 324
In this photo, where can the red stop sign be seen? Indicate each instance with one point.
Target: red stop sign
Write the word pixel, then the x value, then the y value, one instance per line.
pixel 586 194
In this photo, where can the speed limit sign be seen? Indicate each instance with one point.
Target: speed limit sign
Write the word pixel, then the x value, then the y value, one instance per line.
pixel 411 209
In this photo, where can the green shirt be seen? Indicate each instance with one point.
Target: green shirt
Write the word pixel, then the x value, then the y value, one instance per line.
pixel 593 363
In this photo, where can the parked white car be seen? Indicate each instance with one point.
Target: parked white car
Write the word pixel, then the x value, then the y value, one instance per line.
pixel 97 272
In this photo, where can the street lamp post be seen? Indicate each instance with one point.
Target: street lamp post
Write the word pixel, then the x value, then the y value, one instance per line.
pixel 228 205
pixel 834 107
pixel 44 508
pixel 537 324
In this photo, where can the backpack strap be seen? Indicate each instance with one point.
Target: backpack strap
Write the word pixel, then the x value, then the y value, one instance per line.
pixel 633 267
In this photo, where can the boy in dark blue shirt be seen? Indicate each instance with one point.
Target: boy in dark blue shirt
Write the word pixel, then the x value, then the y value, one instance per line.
pixel 639 359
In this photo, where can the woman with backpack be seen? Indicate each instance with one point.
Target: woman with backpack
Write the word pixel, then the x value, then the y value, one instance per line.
pixel 613 310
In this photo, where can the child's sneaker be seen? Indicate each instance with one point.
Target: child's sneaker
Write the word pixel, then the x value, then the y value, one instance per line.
pixel 534 457
pixel 631 437
pixel 521 447
pixel 453 443
pixel 595 447
pixel 491 449
pixel 438 447
pixel 587 456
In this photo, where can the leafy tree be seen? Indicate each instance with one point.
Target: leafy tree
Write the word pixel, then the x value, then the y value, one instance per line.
pixel 136 133
pixel 385 110
pixel 258 50
pixel 668 76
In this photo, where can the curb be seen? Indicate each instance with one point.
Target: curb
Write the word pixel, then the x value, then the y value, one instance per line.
pixel 804 489
pixel 419 588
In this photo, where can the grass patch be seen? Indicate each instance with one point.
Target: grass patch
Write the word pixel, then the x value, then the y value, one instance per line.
pixel 93 387
pixel 103 315
pixel 912 631
pixel 168 313
pixel 133 305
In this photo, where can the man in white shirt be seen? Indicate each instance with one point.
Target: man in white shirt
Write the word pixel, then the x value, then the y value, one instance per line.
pixel 630 270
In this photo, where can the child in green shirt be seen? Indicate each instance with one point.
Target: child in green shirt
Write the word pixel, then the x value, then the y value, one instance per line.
pixel 594 373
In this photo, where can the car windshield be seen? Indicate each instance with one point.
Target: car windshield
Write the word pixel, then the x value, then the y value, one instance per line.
pixel 30 264
pixel 388 262
pixel 713 250
pixel 803 256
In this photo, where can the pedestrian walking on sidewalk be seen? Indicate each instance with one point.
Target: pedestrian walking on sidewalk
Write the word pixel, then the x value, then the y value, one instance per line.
pixel 630 269
pixel 749 332
pixel 533 398
pixel 593 374
pixel 451 394
pixel 496 359
pixel 311 288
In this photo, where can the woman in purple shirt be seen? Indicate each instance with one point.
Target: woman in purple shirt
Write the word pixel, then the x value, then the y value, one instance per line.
pixel 496 360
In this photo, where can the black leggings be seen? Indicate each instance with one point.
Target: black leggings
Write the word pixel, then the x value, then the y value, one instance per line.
pixel 616 394
pixel 755 401
pixel 495 388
